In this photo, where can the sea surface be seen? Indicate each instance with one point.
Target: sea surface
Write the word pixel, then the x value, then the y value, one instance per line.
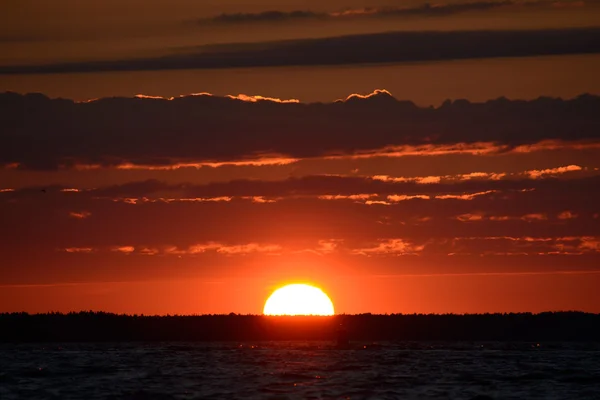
pixel 300 370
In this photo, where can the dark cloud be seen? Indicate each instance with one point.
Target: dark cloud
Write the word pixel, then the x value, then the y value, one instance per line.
pixel 327 185
pixel 265 16
pixel 422 10
pixel 41 133
pixel 352 49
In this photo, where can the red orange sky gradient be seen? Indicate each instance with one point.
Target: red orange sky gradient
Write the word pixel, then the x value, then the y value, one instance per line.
pixel 120 191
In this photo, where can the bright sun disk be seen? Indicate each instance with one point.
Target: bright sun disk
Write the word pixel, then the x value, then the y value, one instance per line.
pixel 298 299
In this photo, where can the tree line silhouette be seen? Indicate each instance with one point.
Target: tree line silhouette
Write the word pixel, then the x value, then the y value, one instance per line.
pixel 103 327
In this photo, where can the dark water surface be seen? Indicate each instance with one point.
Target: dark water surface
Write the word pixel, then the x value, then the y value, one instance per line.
pixel 316 370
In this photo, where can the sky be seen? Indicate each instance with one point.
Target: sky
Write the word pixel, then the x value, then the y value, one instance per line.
pixel 186 157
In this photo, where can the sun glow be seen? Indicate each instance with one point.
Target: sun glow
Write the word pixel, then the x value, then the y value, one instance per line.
pixel 298 299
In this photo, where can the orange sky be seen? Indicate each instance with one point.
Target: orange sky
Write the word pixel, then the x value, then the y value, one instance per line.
pixel 390 201
pixel 408 294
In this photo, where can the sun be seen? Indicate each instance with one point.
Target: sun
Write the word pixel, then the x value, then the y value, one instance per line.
pixel 298 299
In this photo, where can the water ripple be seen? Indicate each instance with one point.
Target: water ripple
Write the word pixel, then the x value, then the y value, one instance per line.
pixel 290 370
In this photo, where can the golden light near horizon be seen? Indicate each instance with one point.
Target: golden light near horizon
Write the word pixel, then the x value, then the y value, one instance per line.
pixel 298 299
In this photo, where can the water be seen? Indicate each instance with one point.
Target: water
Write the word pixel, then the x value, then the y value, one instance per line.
pixel 315 370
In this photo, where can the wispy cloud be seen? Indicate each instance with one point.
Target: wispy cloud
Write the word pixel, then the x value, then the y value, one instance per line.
pixel 123 249
pixel 80 214
pixel 423 10
pixel 464 196
pixel 329 188
pixel 534 217
pixel 525 245
pixel 79 249
pixel 553 171
pixel 255 99
pixel 395 247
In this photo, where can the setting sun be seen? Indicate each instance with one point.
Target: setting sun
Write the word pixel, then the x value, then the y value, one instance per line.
pixel 298 299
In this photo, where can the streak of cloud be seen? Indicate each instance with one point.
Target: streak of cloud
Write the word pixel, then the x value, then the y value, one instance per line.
pixel 351 49
pixel 422 10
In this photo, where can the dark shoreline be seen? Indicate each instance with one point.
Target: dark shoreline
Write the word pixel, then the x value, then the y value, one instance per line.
pixel 105 327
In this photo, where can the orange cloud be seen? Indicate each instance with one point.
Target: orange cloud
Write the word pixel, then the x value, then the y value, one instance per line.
pixel 195 199
pixel 79 250
pixel 144 96
pixel 478 148
pixel 396 247
pixel 240 249
pixel 362 196
pixel 376 92
pixel 567 215
pixel 388 152
pixel 250 248
pixel 328 246
pixel 534 217
pixel 402 197
pixel 422 219
pixel 417 179
pixel 254 162
pixel 242 97
pixel 469 217
pixel 377 202
pixel 553 171
pixel 468 196
pixel 483 175
pixel 80 215
pixel 123 249
pixel 255 99
pixel 557 145
pixel 258 162
pixel 261 199
pixel 197 248
pixel 429 179
pixel 514 238
pixel 148 251
pixel 534 174
pixel 500 218
pixel 135 200
pixel 590 243
pixel 473 245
